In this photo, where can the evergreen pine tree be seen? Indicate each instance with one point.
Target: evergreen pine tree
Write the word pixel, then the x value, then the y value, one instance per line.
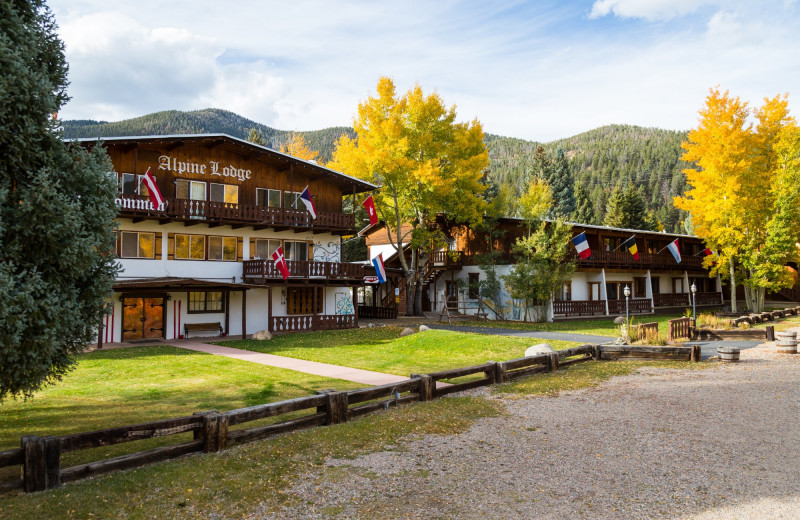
pixel 627 209
pixel 584 210
pixel 616 210
pixel 255 136
pixel 56 212
pixel 562 184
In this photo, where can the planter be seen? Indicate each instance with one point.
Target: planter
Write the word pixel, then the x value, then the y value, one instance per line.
pixel 787 343
pixel 728 354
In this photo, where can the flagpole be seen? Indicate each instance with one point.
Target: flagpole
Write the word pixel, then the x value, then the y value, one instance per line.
pixel 620 244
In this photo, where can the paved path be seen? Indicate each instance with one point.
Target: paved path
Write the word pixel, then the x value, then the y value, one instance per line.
pixel 709 348
pixel 563 336
pixel 356 375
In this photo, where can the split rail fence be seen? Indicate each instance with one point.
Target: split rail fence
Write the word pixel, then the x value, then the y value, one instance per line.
pixel 39 458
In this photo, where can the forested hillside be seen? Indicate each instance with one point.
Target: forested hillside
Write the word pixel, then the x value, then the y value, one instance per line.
pixel 598 160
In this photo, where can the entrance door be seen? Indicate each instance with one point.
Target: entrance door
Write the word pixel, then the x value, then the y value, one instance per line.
pixel 142 318
pixel 451 293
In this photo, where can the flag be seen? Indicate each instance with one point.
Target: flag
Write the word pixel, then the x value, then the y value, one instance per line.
pixel 630 245
pixel 582 246
pixel 152 189
pixel 379 269
pixel 280 262
pixel 709 252
pixel 369 205
pixel 676 252
pixel 306 198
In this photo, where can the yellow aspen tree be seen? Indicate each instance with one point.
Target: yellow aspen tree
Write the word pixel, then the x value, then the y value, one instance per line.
pixel 296 146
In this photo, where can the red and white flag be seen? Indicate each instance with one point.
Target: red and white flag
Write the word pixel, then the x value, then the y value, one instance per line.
pixel 152 189
pixel 369 205
pixel 280 262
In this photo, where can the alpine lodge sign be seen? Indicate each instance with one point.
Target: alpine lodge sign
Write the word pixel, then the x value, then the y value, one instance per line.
pixel 172 164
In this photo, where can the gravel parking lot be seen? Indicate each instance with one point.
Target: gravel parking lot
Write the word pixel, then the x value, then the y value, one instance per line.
pixel 701 444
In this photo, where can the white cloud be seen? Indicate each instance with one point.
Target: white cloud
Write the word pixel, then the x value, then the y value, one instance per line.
pixel 647 9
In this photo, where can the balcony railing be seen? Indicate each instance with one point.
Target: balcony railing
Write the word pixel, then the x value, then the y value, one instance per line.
pixel 672 300
pixel 635 306
pixel 312 322
pixel 623 259
pixel 226 213
pixel 579 307
pixel 259 271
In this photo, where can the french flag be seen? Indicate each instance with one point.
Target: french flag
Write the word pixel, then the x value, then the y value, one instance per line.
pixel 306 198
pixel 676 252
pixel 582 246
pixel 379 269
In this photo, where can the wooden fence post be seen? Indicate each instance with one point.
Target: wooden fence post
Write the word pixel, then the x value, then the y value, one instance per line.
pixel 41 463
pixel 770 333
pixel 426 386
pixel 491 372
pixel 552 362
pixel 695 356
pixel 214 432
pixel 335 406
pixel 500 373
pixel 597 352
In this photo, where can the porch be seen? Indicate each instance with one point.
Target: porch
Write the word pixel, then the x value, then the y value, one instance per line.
pixel 263 271
pixel 570 308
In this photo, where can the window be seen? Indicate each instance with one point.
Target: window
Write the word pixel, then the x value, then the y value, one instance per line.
pixel 267 197
pixel 653 246
pixel 291 199
pixel 474 286
pixel 564 292
pixel 190 190
pixel 265 248
pixel 300 300
pixel 677 285
pixel 131 184
pixel 613 290
pixel 640 287
pixel 138 245
pixel 297 251
pixel 609 243
pixel 227 193
pixel 222 248
pixel 654 283
pixel 210 301
pixel 594 291
pixel 190 247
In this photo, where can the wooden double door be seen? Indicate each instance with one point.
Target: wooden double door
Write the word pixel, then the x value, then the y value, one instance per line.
pixel 143 318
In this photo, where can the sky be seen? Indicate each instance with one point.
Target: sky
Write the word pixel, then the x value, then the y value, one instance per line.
pixel 538 70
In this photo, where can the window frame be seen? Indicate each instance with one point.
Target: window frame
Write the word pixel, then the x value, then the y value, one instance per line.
pixel 636 281
pixel 270 250
pixel 296 204
pixel 205 301
pixel 138 244
pixel 473 286
pixel 225 188
pixel 190 237
pixel 139 187
pixel 289 252
pixel 222 239
pixel 269 192
pixel 190 182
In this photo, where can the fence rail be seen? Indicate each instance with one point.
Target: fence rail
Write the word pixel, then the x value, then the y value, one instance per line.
pixel 680 328
pixel 301 323
pixel 379 313
pixel 579 307
pixel 40 458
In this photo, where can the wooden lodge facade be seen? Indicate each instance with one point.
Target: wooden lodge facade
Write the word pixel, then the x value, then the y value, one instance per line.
pixel 656 280
pixel 201 263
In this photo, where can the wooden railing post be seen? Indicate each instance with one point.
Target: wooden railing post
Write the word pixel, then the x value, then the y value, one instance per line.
pixel 695 355
pixel 597 352
pixel 552 362
pixel 214 432
pixel 41 463
pixel 426 386
pixel 335 407
pixel 500 373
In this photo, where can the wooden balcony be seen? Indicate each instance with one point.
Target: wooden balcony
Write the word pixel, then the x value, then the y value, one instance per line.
pixel 625 260
pixel 264 271
pixel 447 259
pixel 673 299
pixel 305 322
pixel 238 215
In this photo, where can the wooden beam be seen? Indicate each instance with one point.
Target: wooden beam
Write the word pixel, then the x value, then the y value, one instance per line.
pixel 244 313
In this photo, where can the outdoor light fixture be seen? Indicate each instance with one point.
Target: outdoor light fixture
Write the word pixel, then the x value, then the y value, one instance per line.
pixel 627 293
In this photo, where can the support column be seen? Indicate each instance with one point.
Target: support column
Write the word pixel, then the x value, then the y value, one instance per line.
pixel 244 313
pixel 686 286
pixel 227 303
pixel 355 306
pixel 648 292
pixel 269 308
pixel 605 292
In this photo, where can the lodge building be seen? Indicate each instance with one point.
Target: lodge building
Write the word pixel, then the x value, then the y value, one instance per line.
pixel 201 262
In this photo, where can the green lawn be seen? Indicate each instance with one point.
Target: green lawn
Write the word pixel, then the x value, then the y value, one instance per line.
pixel 142 384
pixel 383 350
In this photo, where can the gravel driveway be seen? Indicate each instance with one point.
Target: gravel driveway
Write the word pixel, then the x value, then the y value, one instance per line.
pixel 702 444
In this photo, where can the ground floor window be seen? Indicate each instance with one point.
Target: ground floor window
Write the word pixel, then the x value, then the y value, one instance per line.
pixel 138 245
pixel 564 292
pixel 655 285
pixel 222 248
pixel 594 291
pixel 300 300
pixel 640 287
pixel 474 286
pixel 206 301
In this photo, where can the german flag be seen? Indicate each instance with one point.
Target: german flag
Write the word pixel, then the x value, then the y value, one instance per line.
pixel 630 245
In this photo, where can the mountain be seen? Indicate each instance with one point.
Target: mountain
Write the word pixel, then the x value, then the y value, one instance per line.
pixel 599 159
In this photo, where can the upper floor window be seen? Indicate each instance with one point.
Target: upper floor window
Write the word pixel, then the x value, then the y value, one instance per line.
pixel 224 193
pixel 291 199
pixel 222 248
pixel 138 245
pixel 131 184
pixel 265 248
pixel 610 243
pixel 192 190
pixel 297 251
pixel 190 247
pixel 267 197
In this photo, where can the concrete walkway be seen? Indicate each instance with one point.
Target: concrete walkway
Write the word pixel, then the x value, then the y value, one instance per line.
pixel 355 375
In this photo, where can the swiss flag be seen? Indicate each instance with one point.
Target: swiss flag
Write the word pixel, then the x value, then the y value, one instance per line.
pixel 369 205
pixel 280 262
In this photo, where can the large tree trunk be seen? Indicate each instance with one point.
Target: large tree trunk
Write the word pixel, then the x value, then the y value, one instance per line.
pixel 733 285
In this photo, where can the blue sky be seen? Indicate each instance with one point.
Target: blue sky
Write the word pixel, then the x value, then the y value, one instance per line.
pixel 533 70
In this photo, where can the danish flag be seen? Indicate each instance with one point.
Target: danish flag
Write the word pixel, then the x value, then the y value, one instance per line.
pixel 280 262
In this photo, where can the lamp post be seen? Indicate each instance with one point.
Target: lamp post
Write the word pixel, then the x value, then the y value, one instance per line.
pixel 693 288
pixel 627 293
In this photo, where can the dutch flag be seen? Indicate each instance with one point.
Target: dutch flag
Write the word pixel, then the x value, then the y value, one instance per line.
pixel 676 252
pixel 582 246
pixel 306 198
pixel 379 269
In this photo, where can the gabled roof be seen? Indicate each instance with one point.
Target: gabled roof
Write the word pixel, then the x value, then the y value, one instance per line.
pixel 345 181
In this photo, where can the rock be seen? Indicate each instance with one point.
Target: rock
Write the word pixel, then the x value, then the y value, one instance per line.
pixel 541 348
pixel 407 332
pixel 262 335
pixel 619 320
pixel 423 328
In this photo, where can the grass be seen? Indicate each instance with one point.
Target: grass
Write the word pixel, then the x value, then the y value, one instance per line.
pixel 382 350
pixel 252 480
pixel 584 375
pixel 142 384
pixel 781 325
